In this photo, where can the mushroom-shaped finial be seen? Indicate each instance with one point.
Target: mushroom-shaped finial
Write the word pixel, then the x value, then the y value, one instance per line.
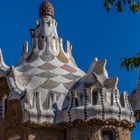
pixel 46 9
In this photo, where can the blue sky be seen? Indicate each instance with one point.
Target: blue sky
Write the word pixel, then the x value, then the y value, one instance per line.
pixel 92 32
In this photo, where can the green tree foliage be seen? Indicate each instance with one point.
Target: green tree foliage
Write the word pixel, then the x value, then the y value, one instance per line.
pixel 119 4
pixel 130 63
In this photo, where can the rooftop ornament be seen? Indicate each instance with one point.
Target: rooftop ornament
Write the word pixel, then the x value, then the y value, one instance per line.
pixel 46 9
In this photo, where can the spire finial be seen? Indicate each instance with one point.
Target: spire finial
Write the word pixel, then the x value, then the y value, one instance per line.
pixel 46 9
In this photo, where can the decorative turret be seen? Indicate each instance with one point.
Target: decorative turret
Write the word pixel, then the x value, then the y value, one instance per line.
pixel 96 97
pixel 135 99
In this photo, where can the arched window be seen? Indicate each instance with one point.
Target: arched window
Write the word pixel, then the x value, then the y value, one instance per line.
pixel 108 134
pixel 94 98
pixel 76 102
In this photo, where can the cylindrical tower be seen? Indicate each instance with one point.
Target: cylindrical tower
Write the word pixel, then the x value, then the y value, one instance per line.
pixel 96 109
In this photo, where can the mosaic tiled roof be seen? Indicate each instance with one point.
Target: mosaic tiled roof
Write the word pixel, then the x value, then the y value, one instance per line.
pixel 46 72
pixel 44 75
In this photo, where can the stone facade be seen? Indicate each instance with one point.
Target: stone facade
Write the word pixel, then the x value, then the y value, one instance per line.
pixel 90 132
